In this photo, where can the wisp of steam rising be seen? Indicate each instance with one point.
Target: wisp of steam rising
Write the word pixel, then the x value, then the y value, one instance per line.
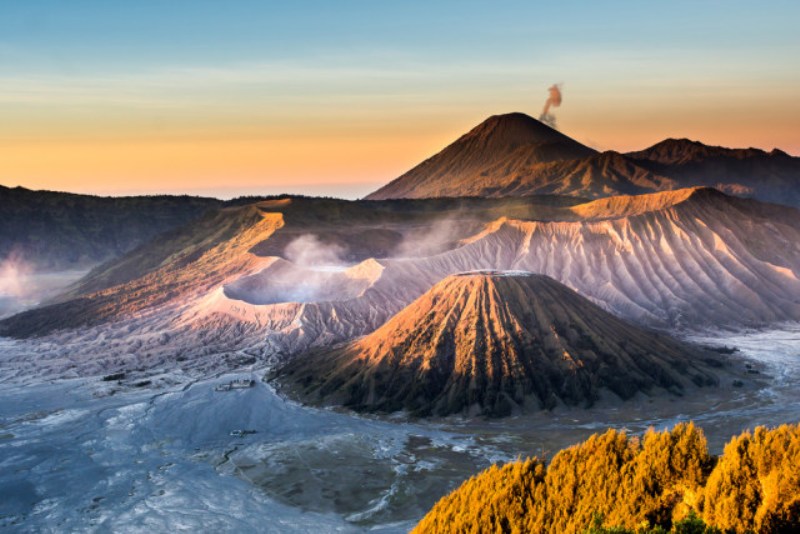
pixel 14 272
pixel 308 251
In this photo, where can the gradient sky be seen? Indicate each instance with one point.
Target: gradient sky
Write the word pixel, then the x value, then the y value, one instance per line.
pixel 337 97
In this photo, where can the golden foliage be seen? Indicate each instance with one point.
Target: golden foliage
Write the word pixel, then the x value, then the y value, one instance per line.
pixel 756 484
pixel 662 480
pixel 505 495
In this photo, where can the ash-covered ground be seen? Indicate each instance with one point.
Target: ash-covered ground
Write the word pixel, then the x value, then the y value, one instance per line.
pixel 156 453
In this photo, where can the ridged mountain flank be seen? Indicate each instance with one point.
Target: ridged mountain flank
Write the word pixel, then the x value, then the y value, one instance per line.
pixel 490 343
pixel 482 160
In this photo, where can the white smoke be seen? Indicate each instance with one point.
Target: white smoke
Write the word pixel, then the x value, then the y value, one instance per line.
pixel 308 251
pixel 554 100
pixel 14 273
pixel 432 239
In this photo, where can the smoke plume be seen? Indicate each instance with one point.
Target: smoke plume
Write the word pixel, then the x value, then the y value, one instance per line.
pixel 554 100
pixel 14 272
pixel 432 239
pixel 308 251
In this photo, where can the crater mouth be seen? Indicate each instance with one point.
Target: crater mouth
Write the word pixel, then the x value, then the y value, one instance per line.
pixel 284 282
pixel 494 273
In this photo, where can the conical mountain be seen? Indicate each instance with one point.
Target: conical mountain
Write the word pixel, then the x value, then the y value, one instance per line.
pixel 464 167
pixel 489 343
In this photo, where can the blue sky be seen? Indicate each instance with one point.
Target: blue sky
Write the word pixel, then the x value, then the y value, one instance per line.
pixel 326 76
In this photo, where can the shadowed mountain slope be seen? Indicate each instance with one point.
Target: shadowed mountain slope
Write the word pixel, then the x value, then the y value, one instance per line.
pixel 600 175
pixel 769 176
pixel 54 231
pixel 514 154
pixel 485 160
pixel 487 342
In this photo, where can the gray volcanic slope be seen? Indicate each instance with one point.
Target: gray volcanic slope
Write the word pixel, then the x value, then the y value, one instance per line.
pixel 61 231
pixel 685 259
pixel 691 258
pixel 486 342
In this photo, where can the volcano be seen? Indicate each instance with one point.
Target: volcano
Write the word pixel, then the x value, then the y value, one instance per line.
pixel 492 342
pixel 516 155
pixel 469 166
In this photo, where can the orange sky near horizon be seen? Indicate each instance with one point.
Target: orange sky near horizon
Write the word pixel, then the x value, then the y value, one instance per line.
pixel 303 155
pixel 340 98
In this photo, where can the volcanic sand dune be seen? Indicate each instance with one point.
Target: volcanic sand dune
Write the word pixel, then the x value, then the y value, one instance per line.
pixel 487 342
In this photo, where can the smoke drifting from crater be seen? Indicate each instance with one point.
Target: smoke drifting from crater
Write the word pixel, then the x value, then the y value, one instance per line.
pixel 554 100
pixel 308 251
pixel 14 272
pixel 431 239
pixel 23 286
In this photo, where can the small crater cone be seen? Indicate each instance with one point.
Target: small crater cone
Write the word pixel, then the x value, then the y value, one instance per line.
pixel 490 343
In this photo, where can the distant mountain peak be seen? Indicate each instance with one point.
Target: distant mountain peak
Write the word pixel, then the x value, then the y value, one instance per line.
pixel 772 176
pixel 513 154
pixel 672 151
pixel 777 152
pixel 510 141
pixel 516 128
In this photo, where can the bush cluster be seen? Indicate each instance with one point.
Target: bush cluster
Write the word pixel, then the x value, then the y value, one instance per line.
pixel 656 483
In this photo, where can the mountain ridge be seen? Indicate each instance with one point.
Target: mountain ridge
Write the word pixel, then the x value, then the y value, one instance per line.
pixel 55 231
pixel 772 176
pixel 684 150
pixel 677 259
pixel 514 155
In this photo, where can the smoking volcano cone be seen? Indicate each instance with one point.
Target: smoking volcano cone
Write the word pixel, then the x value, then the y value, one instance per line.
pixel 492 153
